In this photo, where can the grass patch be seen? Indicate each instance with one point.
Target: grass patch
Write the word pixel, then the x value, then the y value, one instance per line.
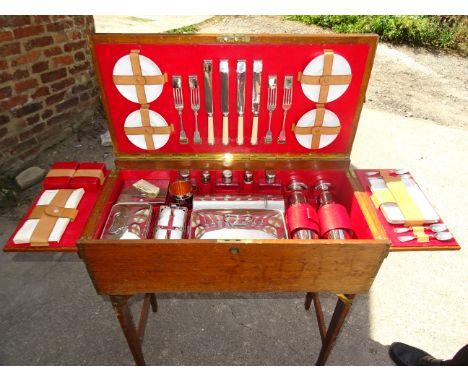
pixel 184 30
pixel 440 32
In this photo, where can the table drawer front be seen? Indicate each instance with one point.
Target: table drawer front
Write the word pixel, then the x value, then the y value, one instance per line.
pixel 210 266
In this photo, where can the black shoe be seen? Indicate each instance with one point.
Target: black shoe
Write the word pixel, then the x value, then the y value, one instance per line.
pixel 405 355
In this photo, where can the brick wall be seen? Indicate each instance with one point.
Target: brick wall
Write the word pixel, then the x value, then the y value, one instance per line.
pixel 47 84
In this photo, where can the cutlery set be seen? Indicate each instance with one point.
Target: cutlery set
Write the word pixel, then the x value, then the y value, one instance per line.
pixel 440 231
pixel 241 71
pixel 401 201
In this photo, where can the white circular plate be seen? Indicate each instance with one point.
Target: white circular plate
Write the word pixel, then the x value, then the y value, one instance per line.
pixel 156 120
pixel 315 68
pixel 123 67
pixel 330 119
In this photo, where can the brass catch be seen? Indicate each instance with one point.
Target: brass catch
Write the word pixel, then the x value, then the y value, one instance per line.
pixel 242 39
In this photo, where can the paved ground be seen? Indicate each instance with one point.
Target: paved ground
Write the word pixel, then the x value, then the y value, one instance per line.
pixel 143 23
pixel 51 314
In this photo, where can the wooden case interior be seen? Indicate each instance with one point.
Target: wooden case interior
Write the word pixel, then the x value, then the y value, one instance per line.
pixel 345 191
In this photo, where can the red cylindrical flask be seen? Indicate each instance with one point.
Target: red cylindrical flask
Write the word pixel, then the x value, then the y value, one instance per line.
pixel 334 219
pixel 302 218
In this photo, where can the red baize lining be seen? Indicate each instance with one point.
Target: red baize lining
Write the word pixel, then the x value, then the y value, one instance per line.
pixel 284 59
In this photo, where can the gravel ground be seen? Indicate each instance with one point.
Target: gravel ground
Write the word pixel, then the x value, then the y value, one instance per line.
pixel 413 82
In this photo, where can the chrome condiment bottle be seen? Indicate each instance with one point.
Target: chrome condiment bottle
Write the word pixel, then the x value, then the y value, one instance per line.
pixel 248 182
pixel 227 182
pixel 205 185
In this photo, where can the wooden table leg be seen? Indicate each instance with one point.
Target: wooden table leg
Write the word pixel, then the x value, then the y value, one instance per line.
pixel 121 308
pixel 154 302
pixel 308 300
pixel 343 305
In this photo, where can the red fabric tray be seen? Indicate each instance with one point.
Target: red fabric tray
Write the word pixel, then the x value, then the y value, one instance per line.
pixel 389 228
pixel 345 193
pixel 71 234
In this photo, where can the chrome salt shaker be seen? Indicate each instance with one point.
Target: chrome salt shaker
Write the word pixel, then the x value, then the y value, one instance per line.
pixel 248 182
pixel 270 176
pixel 184 175
pixel 205 177
pixel 227 176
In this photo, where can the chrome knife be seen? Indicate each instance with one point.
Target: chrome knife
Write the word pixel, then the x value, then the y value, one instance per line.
pixel 240 100
pixel 224 72
pixel 257 80
pixel 207 75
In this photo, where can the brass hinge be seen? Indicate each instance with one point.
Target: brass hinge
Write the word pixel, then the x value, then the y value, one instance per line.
pixel 232 157
pixel 233 38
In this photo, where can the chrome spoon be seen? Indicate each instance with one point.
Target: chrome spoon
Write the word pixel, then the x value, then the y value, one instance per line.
pixel 441 236
pixel 401 171
pixel 438 227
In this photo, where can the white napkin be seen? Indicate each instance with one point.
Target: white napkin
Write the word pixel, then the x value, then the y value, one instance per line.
pixel 23 236
pixel 237 234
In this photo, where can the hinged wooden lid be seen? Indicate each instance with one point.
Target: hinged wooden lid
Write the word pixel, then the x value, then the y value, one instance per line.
pixel 330 77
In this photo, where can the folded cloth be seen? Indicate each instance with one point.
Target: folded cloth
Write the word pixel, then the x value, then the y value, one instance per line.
pixel 23 236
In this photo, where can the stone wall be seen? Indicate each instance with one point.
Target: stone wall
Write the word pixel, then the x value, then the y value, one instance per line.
pixel 47 84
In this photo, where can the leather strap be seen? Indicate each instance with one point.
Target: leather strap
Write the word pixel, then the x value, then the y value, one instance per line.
pixel 147 130
pixel 92 173
pixel 333 216
pixel 302 216
pixel 48 216
pixel 72 173
pixel 409 209
pixel 327 78
pixel 59 172
pixel 138 79
pixel 337 79
pixel 421 236
pixel 58 212
pixel 160 79
pixel 317 130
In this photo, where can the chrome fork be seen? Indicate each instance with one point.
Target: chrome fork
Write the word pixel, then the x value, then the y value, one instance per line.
pixel 195 104
pixel 271 106
pixel 287 102
pixel 179 105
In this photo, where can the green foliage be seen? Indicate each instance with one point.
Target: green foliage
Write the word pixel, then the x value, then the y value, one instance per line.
pixel 430 31
pixel 183 30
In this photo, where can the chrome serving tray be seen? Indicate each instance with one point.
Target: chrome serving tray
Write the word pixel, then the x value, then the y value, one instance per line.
pixel 128 221
pixel 237 224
